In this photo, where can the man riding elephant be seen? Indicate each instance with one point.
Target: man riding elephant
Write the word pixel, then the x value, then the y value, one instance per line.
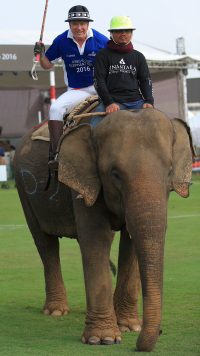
pixel 121 73
pixel 77 47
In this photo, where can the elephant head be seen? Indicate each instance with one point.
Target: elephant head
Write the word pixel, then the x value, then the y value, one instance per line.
pixel 135 158
pixel 78 158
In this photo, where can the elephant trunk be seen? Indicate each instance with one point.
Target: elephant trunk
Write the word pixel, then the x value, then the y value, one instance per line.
pixel 146 224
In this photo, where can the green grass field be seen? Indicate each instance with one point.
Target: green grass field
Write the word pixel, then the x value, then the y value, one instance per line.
pixel 25 331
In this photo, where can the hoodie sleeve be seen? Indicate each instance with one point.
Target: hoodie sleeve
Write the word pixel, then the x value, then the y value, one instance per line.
pixel 145 82
pixel 101 68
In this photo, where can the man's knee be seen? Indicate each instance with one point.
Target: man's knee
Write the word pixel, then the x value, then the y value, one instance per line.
pixel 56 112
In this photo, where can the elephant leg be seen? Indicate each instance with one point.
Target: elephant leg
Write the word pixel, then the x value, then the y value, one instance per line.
pixel 127 290
pixel 95 239
pixel 56 299
pixel 48 248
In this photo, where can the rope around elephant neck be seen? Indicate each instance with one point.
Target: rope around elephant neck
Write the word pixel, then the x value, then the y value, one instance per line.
pixel 89 114
pixel 96 113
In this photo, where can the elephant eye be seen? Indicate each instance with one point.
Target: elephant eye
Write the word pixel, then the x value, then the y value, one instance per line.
pixel 115 174
pixel 170 170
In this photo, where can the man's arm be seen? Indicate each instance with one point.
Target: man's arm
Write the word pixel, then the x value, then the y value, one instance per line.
pixel 145 83
pixel 101 68
pixel 45 63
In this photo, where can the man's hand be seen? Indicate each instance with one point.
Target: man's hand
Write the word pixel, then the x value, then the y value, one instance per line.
pixel 112 107
pixel 147 105
pixel 39 49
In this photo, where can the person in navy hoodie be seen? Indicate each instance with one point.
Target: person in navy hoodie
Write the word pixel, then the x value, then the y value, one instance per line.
pixel 77 47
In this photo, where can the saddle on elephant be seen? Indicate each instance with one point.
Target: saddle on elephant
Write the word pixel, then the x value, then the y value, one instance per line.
pixel 69 121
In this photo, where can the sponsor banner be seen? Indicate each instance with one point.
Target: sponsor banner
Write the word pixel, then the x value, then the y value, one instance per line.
pixel 17 58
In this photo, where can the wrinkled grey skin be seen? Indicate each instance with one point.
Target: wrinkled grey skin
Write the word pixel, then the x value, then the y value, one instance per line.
pixel 124 168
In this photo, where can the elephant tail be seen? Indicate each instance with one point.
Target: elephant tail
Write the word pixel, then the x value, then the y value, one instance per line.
pixel 113 268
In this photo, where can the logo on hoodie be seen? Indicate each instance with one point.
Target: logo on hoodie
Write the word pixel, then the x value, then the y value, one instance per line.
pixel 122 67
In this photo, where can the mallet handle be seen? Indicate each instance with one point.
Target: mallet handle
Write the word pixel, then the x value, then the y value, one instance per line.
pixel 43 21
pixel 37 58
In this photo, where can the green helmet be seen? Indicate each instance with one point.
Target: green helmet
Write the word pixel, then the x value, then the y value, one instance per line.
pixel 121 22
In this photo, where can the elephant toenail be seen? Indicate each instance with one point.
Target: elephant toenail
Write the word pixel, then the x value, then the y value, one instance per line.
pixel 137 328
pixel 118 340
pixel 56 312
pixel 124 328
pixel 94 340
pixel 84 340
pixel 46 312
pixel 107 341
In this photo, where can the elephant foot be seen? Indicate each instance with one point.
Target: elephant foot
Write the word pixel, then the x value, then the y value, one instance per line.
pixel 56 308
pixel 130 324
pixel 101 336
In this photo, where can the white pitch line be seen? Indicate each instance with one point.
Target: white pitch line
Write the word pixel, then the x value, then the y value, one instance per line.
pixel 183 216
pixel 3 227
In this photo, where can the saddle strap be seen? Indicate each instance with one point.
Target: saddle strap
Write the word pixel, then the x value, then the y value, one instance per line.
pixel 73 121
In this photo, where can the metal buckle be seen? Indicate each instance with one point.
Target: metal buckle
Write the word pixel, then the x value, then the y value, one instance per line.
pixel 71 123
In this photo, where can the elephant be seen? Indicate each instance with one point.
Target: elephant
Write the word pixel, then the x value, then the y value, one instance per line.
pixel 124 168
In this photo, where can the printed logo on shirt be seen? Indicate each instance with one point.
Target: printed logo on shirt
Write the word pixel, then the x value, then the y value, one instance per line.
pixel 70 55
pixel 81 62
pixel 93 54
pixel 122 61
pixel 122 68
pixel 81 65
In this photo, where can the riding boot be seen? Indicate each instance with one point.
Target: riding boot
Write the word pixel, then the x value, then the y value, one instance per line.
pixel 56 131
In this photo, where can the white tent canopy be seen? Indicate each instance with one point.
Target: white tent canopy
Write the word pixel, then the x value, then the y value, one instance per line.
pixel 161 59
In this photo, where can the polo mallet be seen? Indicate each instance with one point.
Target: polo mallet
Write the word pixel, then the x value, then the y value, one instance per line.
pixel 37 58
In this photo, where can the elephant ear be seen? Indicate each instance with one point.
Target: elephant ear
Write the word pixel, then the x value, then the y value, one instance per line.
pixel 183 155
pixel 77 163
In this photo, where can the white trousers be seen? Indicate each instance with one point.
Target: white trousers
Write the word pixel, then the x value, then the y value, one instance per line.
pixel 67 101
